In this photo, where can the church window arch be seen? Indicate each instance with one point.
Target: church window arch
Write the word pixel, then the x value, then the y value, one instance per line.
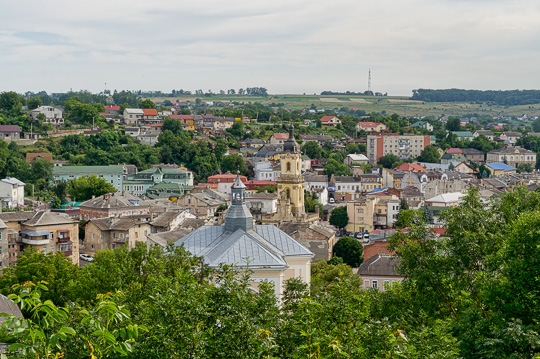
pixel 288 167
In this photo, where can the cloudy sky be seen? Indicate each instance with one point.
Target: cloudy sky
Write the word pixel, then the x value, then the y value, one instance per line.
pixel 287 46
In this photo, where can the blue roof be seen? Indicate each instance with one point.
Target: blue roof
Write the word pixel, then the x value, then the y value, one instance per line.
pixel 497 166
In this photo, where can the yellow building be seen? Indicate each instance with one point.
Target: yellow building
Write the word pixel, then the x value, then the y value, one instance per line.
pixel 290 186
pixel 360 214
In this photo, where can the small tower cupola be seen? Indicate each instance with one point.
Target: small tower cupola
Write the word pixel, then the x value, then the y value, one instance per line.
pixel 290 144
pixel 238 216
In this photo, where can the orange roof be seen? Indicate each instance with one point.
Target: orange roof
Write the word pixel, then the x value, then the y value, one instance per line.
pixel 410 167
pixel 369 124
pixel 149 112
pixel 454 150
pixel 327 118
pixel 225 178
pixel 281 136
pixel 181 117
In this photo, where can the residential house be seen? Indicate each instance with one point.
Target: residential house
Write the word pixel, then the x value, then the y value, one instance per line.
pixel 379 272
pixel 449 158
pixel 360 213
pixel 320 139
pixel 44 231
pixel 10 132
pixel 313 182
pixel 139 183
pixel 53 115
pixel 269 253
pixel 113 174
pixel 370 127
pixel 113 110
pixel 391 178
pixel 405 146
pixel 225 181
pixel 370 181
pixel 500 169
pixel 203 202
pixel 464 135
pixel 331 121
pixel 278 138
pixel 254 186
pixel 133 116
pixel 447 182
pixel 474 155
pixel 410 167
pixel 268 152
pixel 346 187
pixel 423 124
pixel 512 155
pixel 113 205
pixel 252 143
pixel 265 171
pixel 150 116
pixel 186 120
pixel 113 232
pixel 12 193
pixel 262 203
pixel 355 158
pixel 509 137
pixel 488 133
pixel 169 190
pixel 31 157
pixel 318 239
pixel 463 167
pixel 4 245
pixel 173 220
pixel 446 200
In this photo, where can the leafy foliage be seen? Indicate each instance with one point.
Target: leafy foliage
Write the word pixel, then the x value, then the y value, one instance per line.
pixel 351 250
pixel 339 217
pixel 83 188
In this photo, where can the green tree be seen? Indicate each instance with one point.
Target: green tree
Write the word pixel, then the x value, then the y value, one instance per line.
pixel 339 217
pixel 11 103
pixel 34 102
pixel 429 154
pixel 233 163
pixel 351 250
pixel 524 167
pixel 536 125
pixel 147 104
pixel 237 130
pixel 389 161
pixel 324 274
pixel 453 124
pixel 336 168
pixel 312 150
pixel 83 188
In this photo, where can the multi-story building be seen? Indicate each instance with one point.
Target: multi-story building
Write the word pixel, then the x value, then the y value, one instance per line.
pixel 404 146
pixel 224 182
pixel 203 202
pixel 133 116
pixel 53 115
pixel 332 121
pixel 360 213
pixel 44 231
pixel 472 154
pixel 139 183
pixel 113 232
pixel 12 193
pixel 512 155
pixel 114 174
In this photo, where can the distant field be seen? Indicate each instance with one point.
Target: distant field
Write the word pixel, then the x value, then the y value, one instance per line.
pixel 392 104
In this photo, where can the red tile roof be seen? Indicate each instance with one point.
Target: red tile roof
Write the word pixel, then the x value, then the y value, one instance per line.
pixel 281 136
pixel 181 117
pixel 327 118
pixel 112 108
pixel 225 178
pixel 258 183
pixel 410 167
pixel 455 151
pixel 150 112
pixel 369 124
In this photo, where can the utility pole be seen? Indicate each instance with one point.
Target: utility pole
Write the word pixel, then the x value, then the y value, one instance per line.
pixel 369 83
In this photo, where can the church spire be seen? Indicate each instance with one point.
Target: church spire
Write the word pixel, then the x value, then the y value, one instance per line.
pixel 290 144
pixel 238 216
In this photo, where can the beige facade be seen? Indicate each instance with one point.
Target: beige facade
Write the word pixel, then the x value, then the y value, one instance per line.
pixel 404 146
pixel 371 126
pixel 203 203
pixel 44 231
pixel 113 205
pixel 512 155
pixel 112 233
pixel 360 214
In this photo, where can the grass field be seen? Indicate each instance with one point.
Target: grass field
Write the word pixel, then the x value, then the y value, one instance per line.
pixel 391 104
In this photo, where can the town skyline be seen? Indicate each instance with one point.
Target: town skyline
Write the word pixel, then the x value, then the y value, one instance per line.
pixel 297 47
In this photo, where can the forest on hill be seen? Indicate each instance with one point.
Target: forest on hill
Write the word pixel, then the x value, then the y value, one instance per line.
pixel 503 98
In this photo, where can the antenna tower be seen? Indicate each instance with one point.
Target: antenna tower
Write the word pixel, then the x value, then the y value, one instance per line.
pixel 369 82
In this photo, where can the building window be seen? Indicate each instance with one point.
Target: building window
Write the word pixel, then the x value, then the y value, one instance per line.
pixel 92 246
pixel 45 249
pixel 52 248
pixel 375 284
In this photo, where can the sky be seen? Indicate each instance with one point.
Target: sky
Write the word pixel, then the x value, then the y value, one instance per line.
pixel 286 46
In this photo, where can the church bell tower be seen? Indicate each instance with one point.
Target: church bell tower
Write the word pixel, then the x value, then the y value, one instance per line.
pixel 291 181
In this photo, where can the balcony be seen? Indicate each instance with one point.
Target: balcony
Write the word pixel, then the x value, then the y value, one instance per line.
pixel 35 238
pixel 120 240
pixel 64 239
pixel 68 253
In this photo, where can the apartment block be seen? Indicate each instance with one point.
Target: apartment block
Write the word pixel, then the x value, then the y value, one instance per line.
pixel 404 146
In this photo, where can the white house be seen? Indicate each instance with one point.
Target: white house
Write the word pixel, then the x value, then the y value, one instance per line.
pixel 53 115
pixel 12 192
pixel 314 182
pixel 133 116
pixel 355 158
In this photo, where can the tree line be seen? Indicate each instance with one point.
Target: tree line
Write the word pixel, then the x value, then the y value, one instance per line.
pixel 497 97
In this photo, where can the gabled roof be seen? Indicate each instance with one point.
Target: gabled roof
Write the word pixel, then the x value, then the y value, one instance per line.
pixel 281 136
pixel 13 181
pixel 43 218
pixel 10 128
pixel 112 108
pixel 114 200
pixel 379 266
pixel 327 118
pixel 7 306
pixel 369 124
pixel 181 117
pixel 150 111
pixel 452 197
pixel 357 157
pixel 134 111
pixel 410 167
pixel 454 150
